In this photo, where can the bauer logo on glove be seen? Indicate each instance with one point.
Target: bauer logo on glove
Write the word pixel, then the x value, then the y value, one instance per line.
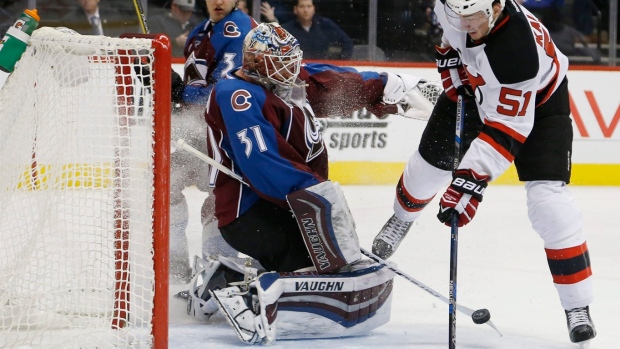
pixel 471 187
pixel 463 196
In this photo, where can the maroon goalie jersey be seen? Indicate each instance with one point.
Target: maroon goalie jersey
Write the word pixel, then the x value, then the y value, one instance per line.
pixel 274 145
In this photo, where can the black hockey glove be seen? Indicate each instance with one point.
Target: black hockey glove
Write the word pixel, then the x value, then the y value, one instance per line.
pixel 143 72
pixel 177 88
pixel 462 196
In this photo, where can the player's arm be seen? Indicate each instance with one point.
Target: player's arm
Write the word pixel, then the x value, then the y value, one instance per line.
pixel 508 120
pixel 259 152
pixel 334 90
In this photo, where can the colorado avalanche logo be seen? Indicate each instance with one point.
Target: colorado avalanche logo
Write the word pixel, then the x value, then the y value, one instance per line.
pixel 231 30
pixel 314 140
pixel 195 71
pixel 240 100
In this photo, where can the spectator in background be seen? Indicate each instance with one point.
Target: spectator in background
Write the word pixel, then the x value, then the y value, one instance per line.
pixel 176 24
pixel 319 37
pixel 539 8
pixel 566 37
pixel 582 16
pixel 88 18
pixel 268 12
pixel 242 6
pixel 276 11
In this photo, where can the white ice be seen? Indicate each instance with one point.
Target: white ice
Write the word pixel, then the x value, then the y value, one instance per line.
pixel 501 267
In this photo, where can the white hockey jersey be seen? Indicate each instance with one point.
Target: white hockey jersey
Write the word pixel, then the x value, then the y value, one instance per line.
pixel 512 70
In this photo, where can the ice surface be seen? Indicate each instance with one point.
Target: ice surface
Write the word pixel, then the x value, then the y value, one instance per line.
pixel 502 267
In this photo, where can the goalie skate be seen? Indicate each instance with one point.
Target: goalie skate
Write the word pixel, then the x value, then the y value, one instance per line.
pixel 241 310
pixel 390 236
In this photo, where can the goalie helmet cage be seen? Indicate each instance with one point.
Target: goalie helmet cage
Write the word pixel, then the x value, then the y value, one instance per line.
pixel 84 193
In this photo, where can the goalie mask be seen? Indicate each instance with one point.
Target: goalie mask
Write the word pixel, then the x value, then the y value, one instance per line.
pixel 271 55
pixel 465 14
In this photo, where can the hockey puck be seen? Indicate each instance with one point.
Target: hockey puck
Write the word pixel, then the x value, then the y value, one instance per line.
pixel 481 316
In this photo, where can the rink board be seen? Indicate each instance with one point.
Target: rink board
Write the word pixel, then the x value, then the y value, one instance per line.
pixel 364 149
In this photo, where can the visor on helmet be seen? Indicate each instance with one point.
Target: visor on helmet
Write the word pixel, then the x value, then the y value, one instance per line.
pixel 464 23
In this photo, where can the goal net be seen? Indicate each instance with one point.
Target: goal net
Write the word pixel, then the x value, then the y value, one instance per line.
pixel 84 148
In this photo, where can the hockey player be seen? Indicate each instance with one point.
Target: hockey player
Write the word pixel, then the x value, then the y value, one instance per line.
pixel 289 217
pixel 502 60
pixel 213 48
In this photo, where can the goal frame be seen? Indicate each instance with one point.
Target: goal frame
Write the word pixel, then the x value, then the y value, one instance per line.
pixel 86 192
pixel 162 70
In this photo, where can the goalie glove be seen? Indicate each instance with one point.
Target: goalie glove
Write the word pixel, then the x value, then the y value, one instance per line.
pixel 462 196
pixel 413 97
pixel 453 76
pixel 143 73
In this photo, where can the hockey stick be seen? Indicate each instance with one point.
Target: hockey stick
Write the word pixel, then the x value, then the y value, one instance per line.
pixel 140 12
pixel 463 309
pixel 454 235
pixel 181 144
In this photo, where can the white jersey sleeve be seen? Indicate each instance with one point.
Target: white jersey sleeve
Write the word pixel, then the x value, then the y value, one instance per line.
pixel 512 71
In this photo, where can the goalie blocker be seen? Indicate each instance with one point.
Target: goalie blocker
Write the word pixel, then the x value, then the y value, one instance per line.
pixel 308 305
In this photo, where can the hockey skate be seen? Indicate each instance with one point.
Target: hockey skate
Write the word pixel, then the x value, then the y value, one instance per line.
pixel 214 274
pixel 241 309
pixel 580 326
pixel 390 236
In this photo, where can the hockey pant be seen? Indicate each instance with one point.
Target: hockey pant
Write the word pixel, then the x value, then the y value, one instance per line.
pixel 327 226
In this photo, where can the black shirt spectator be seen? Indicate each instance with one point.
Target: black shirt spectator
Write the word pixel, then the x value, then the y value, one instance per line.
pixel 319 37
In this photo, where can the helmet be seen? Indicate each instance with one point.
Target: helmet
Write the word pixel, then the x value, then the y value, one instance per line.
pixel 271 55
pixel 473 10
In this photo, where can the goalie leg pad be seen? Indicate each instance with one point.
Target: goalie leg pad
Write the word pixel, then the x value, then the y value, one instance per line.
pixel 309 305
pixel 327 226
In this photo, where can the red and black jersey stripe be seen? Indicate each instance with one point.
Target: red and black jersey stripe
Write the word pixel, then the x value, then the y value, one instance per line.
pixel 407 201
pixel 569 265
pixel 503 139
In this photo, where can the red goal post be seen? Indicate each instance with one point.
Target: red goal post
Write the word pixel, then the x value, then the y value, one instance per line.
pixel 84 193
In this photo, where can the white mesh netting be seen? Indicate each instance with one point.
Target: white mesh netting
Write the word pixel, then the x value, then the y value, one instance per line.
pixel 76 195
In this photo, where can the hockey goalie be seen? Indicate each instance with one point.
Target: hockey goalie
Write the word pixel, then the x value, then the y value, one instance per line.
pixel 308 279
